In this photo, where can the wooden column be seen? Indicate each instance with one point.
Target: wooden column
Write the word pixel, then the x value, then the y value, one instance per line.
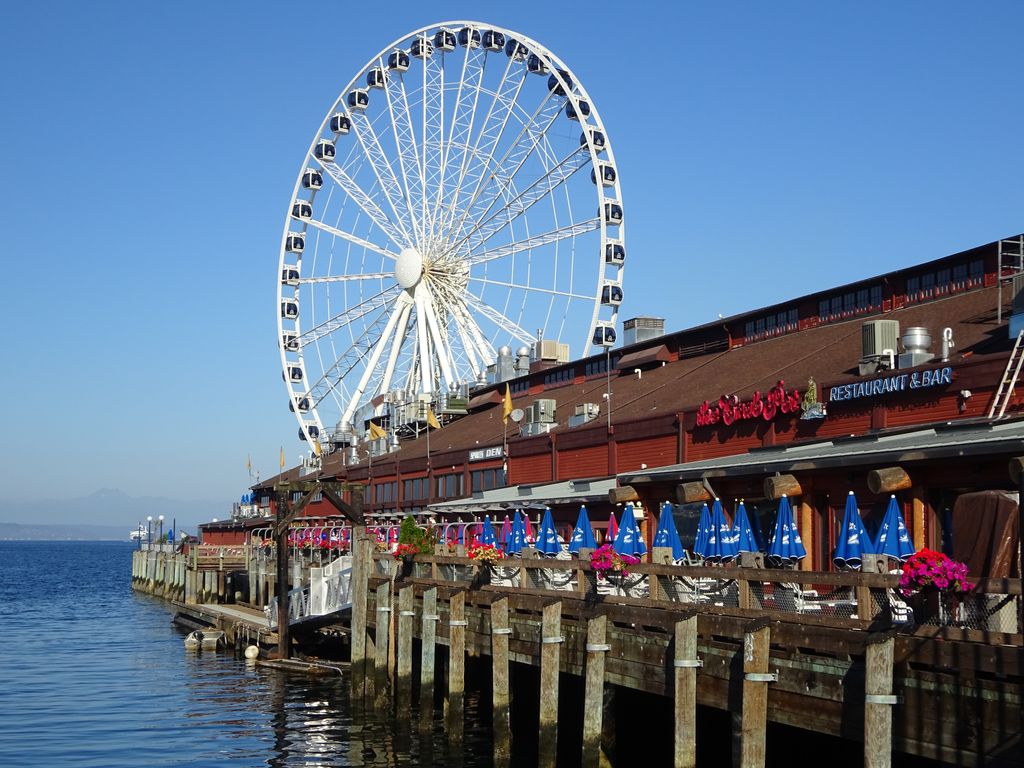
pixel 807 533
pixel 593 694
pixel 360 575
pixel 550 642
pixel 878 702
pixel 685 665
pixel 380 657
pixel 454 721
pixel 917 515
pixel 753 729
pixel 500 632
pixel 428 642
pixel 403 687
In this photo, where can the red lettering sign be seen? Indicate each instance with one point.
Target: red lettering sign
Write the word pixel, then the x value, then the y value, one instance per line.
pixel 729 409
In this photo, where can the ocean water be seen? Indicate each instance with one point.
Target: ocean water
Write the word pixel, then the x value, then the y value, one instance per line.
pixel 94 674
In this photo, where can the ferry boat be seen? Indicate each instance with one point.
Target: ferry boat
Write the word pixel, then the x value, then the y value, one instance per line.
pixel 138 534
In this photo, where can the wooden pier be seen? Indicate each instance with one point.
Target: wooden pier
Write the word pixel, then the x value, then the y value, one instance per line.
pixel 733 639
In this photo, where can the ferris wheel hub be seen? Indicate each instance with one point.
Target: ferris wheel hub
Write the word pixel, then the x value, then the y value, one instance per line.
pixel 409 267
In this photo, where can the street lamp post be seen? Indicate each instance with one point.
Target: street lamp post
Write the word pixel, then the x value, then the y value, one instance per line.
pixel 149 530
pixel 160 538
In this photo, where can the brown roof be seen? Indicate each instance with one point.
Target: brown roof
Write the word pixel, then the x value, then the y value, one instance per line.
pixel 828 353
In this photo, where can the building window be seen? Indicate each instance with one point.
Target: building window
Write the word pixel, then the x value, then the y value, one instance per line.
pixel 486 479
pixel 520 387
pixel 596 367
pixel 977 274
pixel 559 378
pixel 449 486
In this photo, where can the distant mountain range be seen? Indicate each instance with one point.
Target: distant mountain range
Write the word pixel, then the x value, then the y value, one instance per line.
pixel 109 511
pixel 31 532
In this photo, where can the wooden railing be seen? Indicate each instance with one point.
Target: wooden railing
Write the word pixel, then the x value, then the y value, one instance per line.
pixel 989 613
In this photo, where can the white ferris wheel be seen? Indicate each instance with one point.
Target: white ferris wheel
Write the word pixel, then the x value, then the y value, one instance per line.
pixel 460 196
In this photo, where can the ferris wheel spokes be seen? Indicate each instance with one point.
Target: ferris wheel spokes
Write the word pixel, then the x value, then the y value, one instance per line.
pixel 383 171
pixel 350 315
pixel 406 146
pixel 433 137
pixel 502 322
pixel 536 241
pixel 485 228
pixel 365 202
pixel 354 239
pixel 493 185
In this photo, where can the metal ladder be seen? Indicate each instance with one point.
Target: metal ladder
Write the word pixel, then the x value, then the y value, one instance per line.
pixel 1009 381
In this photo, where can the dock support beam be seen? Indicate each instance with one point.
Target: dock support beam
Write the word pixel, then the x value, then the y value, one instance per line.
pixel 878 702
pixel 685 665
pixel 428 643
pixel 753 728
pixel 500 632
pixel 454 723
pixel 380 656
pixel 551 640
pixel 593 694
pixel 403 689
pixel 360 576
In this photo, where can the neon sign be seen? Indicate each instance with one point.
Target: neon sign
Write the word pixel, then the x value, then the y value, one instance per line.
pixel 729 409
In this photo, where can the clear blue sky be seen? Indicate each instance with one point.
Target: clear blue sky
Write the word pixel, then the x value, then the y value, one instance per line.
pixel 148 151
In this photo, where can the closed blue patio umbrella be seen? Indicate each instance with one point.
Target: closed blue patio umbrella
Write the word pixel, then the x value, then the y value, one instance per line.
pixel 667 535
pixel 582 534
pixel 721 544
pixel 785 547
pixel 854 541
pixel 893 537
pixel 547 536
pixel 743 532
pixel 628 540
pixel 517 538
pixel 700 541
pixel 487 534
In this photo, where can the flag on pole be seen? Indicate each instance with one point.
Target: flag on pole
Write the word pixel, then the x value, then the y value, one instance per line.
pixel 281 462
pixel 248 464
pixel 316 447
pixel 376 432
pixel 506 406
pixel 432 421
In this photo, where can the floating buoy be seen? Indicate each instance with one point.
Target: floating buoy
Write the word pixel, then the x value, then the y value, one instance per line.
pixel 252 652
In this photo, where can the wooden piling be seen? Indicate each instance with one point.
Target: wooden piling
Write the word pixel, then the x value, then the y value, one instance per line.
pixel 456 667
pixel 685 664
pixel 500 633
pixel 428 641
pixel 380 657
pixel 360 575
pixel 878 701
pixel 403 687
pixel 551 640
pixel 593 691
pixel 754 724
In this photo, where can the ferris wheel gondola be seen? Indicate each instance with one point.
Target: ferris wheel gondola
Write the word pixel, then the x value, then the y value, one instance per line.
pixel 440 213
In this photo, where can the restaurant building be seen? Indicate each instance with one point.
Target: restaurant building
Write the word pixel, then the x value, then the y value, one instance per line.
pixel 902 383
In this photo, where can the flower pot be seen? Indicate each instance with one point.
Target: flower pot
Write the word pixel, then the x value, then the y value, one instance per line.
pixel 930 606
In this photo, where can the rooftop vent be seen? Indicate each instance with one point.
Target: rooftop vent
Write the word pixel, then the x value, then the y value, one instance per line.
pixel 639 329
pixel 879 343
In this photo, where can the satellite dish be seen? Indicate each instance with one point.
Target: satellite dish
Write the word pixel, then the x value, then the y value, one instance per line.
pixel 517 415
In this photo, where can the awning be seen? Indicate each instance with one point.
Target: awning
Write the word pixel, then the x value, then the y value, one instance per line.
pixel 658 354
pixel 528 497
pixel 952 440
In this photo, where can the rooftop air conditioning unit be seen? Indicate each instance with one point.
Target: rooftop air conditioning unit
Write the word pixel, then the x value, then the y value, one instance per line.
pixel 543 411
pixel 878 336
pixel 549 350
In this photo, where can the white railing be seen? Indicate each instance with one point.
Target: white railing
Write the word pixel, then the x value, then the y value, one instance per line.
pixel 329 591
